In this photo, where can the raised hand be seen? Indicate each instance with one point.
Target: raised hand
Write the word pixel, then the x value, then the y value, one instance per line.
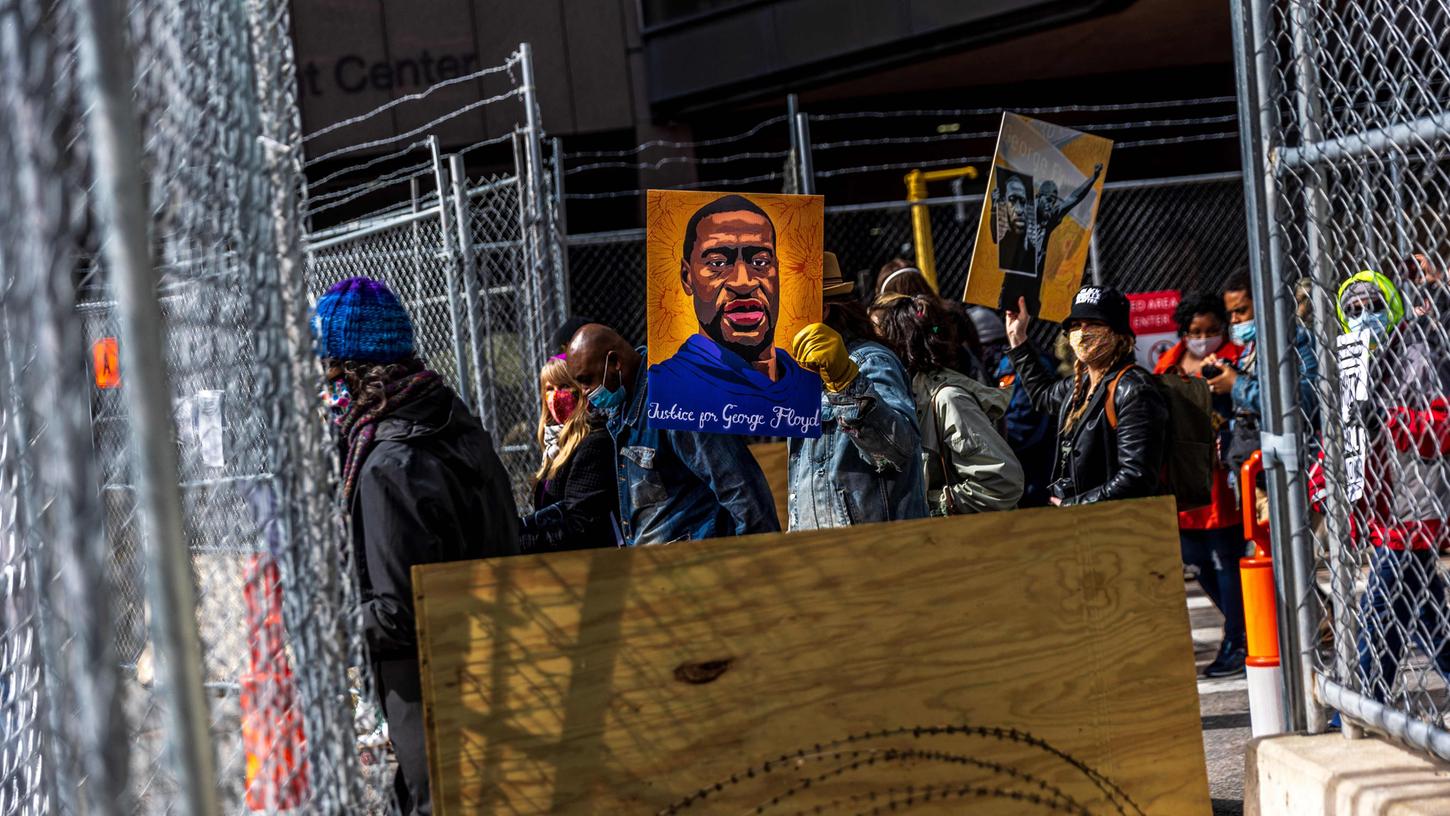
pixel 1017 320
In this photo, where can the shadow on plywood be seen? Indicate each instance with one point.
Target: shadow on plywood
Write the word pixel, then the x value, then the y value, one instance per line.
pixel 1037 661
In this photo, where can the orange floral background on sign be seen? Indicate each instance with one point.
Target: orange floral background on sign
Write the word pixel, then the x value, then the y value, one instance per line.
pixel 799 235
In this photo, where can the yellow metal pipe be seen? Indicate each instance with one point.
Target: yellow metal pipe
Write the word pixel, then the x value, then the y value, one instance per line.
pixel 916 182
pixel 921 226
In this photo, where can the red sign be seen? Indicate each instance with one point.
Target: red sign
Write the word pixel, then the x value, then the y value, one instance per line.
pixel 1152 312
pixel 106 362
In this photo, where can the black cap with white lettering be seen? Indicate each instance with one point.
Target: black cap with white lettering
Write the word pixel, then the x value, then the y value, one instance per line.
pixel 1102 303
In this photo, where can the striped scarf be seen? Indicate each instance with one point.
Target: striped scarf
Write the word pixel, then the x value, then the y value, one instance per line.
pixel 360 424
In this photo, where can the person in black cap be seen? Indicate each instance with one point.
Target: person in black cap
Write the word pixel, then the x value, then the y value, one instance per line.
pixel 1111 418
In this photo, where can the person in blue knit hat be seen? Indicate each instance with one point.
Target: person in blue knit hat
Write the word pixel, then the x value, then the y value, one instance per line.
pixel 421 484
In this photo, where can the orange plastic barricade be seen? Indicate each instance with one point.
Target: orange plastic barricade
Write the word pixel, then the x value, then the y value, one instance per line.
pixel 1256 572
pixel 271 721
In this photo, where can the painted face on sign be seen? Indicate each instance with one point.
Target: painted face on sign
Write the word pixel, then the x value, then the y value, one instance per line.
pixel 1017 204
pixel 732 274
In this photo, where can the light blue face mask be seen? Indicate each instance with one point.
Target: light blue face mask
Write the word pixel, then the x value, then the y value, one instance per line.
pixel 1244 332
pixel 607 400
pixel 1377 323
pixel 603 398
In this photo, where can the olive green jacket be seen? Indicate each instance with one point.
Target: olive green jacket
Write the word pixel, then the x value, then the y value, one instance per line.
pixel 968 464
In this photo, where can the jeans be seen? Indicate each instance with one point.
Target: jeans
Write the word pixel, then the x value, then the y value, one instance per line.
pixel 1405 595
pixel 1216 553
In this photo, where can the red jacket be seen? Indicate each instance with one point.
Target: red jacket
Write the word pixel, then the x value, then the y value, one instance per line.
pixel 1223 511
pixel 1399 520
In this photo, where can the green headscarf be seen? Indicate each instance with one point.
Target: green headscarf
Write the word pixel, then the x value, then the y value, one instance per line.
pixel 1391 295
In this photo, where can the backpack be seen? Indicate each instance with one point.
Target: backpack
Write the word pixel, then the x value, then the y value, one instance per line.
pixel 1188 460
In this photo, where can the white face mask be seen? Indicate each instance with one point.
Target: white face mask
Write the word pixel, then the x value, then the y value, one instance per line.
pixel 1204 346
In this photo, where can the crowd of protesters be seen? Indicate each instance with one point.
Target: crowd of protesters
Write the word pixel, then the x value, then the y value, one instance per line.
pixel 928 407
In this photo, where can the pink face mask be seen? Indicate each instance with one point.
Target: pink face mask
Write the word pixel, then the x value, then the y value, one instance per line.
pixel 562 404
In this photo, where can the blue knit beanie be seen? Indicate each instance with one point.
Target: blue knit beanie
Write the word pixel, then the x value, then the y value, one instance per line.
pixel 361 319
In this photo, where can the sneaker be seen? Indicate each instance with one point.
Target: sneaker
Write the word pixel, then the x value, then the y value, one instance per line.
pixel 1229 663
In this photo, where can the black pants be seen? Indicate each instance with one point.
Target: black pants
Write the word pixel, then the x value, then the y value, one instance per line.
pixel 1216 553
pixel 400 687
pixel 1403 605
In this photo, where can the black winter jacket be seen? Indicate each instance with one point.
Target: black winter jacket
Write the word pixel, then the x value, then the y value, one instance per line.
pixel 431 490
pixel 579 507
pixel 1095 462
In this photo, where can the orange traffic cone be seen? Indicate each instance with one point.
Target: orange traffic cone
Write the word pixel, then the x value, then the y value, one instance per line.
pixel 271 722
pixel 1262 672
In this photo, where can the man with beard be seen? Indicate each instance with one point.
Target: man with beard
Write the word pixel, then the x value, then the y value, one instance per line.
pixel 731 366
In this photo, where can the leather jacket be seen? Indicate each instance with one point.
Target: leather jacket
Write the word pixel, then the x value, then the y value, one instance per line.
pixel 1096 462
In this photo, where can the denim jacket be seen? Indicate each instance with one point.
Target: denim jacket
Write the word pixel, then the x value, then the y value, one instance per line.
pixel 684 485
pixel 866 464
pixel 1246 388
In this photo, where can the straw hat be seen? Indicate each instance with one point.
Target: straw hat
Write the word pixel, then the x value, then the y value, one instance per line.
pixel 832 283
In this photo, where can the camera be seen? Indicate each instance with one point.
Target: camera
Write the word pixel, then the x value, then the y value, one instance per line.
pixel 1210 371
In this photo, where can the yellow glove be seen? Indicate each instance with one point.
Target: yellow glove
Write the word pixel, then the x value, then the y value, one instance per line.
pixel 821 349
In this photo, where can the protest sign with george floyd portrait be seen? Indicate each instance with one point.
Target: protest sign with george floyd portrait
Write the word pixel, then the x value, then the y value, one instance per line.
pixel 732 278
pixel 1037 217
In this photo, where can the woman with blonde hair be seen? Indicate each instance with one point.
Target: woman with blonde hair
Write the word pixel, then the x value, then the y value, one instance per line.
pixel 576 505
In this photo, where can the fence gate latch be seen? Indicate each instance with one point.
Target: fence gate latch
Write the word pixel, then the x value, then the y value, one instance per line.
pixel 1280 450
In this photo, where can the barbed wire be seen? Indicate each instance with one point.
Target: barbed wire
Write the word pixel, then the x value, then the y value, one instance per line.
pixel 695 185
pixel 640 148
pixel 389 180
pixel 479 74
pixel 1167 103
pixel 472 106
pixel 655 165
pixel 486 142
pixel 904 165
pixel 382 180
pixel 369 163
pixel 989 134
pixel 949 162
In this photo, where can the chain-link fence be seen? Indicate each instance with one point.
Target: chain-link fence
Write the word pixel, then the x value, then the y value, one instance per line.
pixel 1345 123
pixel 476 261
pixel 178 625
pixel 1175 233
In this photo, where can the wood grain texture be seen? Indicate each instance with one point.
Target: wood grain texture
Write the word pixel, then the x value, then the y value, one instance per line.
pixel 726 676
pixel 774 459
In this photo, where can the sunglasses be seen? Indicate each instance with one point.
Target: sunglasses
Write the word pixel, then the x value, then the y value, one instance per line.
pixel 1362 307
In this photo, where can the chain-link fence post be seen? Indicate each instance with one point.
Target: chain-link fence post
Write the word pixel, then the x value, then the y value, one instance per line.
pixel 801 127
pixel 537 230
pixel 560 237
pixel 467 270
pixel 1094 260
pixel 1343 562
pixel 1280 432
pixel 120 195
pixel 453 258
pixel 792 181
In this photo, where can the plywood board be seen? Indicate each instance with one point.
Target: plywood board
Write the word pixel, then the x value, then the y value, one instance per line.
pixel 774 460
pixel 1029 662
